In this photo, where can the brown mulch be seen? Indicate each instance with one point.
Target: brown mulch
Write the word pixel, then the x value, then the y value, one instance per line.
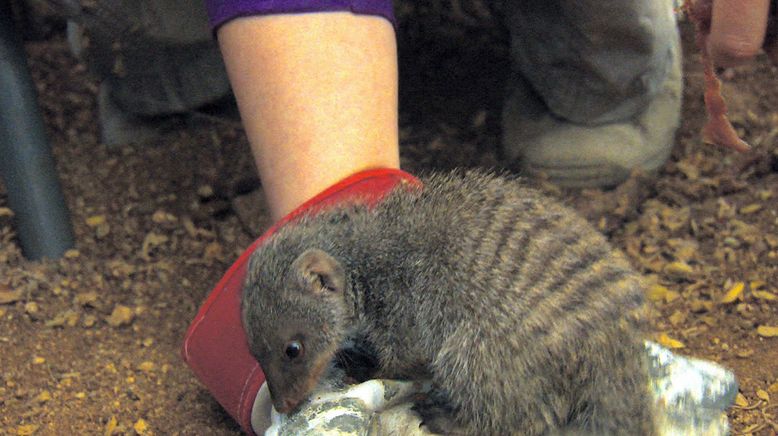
pixel 90 343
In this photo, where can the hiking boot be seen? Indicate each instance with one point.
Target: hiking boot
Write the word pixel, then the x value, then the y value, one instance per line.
pixel 578 155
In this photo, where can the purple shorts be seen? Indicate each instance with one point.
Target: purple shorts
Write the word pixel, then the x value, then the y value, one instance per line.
pixel 221 11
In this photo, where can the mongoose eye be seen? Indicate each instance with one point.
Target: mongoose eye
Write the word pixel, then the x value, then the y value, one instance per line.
pixel 294 349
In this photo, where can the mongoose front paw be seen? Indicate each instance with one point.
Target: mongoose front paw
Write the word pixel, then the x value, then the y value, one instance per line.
pixel 437 418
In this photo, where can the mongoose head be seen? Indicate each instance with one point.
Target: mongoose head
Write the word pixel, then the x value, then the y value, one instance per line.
pixel 294 315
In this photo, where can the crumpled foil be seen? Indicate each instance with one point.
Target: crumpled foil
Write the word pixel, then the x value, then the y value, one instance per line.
pixel 690 395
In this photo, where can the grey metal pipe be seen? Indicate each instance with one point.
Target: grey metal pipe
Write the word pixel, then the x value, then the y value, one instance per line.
pixel 26 163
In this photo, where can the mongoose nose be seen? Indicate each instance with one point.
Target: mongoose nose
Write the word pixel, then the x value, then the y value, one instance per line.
pixel 286 406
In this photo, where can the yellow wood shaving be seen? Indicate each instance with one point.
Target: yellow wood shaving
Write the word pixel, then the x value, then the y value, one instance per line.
pixel 767 331
pixel 733 293
pixel 96 220
pixel 667 341
pixel 740 400
pixel 764 295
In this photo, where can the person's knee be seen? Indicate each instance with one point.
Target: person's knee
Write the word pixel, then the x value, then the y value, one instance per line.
pixel 593 68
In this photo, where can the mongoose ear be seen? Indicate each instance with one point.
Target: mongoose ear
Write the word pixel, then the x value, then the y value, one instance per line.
pixel 319 272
